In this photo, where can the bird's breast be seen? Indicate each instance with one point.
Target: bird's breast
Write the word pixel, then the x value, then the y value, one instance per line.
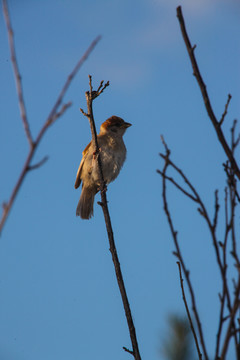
pixel 112 162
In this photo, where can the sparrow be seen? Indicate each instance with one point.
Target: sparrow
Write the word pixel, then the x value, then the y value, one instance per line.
pixel 113 154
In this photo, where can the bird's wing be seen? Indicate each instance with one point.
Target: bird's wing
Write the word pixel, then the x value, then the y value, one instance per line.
pixel 78 177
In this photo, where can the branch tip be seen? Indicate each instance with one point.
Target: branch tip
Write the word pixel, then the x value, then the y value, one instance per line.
pixel 37 165
pixel 129 351
pixel 225 110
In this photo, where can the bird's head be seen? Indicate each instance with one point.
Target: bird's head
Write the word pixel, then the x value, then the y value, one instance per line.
pixel 115 126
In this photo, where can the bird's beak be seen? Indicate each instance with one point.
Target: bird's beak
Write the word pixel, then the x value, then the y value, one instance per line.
pixel 126 125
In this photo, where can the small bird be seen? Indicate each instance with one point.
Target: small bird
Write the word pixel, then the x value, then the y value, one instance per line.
pixel 113 154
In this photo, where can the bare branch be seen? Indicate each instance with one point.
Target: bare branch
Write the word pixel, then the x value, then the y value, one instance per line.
pixel 178 253
pixel 188 312
pixel 232 170
pixel 17 74
pixel 71 76
pixel 90 96
pixel 53 116
pixel 202 86
pixel 212 227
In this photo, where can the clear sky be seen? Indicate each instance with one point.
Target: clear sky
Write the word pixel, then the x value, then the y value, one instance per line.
pixel 58 294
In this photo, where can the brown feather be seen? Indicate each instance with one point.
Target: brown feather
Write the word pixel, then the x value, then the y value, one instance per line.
pixel 78 177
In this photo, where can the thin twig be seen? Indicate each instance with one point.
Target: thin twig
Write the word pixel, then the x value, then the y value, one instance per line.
pixel 224 290
pixel 90 96
pixel 58 114
pixel 170 179
pixel 221 321
pixel 37 165
pixel 52 117
pixel 217 207
pixel 229 333
pixel 127 350
pixel 225 110
pixel 188 312
pixel 17 75
pixel 202 86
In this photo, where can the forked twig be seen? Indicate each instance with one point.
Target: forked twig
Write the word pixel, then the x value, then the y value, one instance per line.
pixel 232 170
pixel 225 296
pixel 177 253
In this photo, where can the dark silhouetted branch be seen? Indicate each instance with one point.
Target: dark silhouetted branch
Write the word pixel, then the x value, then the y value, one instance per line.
pixel 188 312
pixel 203 88
pixel 225 110
pixel 90 96
pixel 177 253
pixel 230 331
pixel 170 179
pixel 225 296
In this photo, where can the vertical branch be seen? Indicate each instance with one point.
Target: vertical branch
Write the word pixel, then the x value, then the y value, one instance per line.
pixel 90 96
pixel 178 252
pixel 223 294
pixel 202 86
pixel 17 74
pixel 229 334
pixel 233 171
pixel 188 312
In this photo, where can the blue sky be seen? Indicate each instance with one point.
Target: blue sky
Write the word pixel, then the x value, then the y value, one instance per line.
pixel 58 293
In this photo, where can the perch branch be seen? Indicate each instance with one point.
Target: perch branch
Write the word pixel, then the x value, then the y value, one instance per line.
pixel 90 96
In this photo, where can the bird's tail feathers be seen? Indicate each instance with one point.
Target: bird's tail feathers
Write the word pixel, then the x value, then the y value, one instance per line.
pixel 85 204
